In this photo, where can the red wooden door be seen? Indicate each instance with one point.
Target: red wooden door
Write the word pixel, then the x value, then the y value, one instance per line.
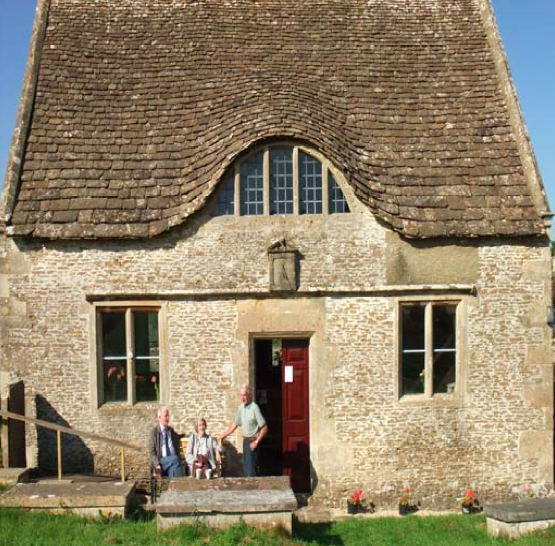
pixel 296 424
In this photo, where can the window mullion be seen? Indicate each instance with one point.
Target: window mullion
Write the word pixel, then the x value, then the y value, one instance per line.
pixel 266 181
pixel 325 188
pixel 296 204
pixel 130 357
pixel 428 344
pixel 237 190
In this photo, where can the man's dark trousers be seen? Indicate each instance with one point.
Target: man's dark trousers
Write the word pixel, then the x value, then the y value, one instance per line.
pixel 250 459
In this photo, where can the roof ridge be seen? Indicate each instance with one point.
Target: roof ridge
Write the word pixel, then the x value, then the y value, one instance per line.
pixel 24 112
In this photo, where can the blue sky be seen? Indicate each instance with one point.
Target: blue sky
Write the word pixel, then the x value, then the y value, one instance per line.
pixel 527 28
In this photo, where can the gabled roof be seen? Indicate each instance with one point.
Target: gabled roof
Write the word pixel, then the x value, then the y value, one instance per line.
pixel 133 109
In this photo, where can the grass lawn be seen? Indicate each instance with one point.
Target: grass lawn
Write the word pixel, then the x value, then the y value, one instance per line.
pixel 39 529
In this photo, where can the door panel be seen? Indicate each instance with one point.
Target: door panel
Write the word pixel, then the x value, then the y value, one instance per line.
pixel 295 408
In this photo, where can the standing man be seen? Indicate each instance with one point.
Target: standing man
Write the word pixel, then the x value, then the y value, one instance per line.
pixel 255 428
pixel 164 444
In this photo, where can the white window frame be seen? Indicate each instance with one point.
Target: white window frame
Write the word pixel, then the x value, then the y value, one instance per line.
pixel 97 387
pixel 461 348
pixel 327 168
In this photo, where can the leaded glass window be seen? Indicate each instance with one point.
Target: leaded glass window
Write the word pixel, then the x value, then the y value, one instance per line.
pixel 283 178
pixel 337 201
pixel 252 185
pixel 281 181
pixel 310 184
pixel 226 198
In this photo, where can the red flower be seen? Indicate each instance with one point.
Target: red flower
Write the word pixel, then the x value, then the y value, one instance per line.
pixel 358 495
pixel 112 371
pixel 407 489
pixel 469 494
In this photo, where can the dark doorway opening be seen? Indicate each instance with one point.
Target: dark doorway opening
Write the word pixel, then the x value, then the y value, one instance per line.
pixel 281 368
pixel 268 397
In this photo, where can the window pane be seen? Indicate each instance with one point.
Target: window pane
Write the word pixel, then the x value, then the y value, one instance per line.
pixel 147 380
pixel 412 379
pixel 310 184
pixel 444 318
pixel 338 203
pixel 113 334
pixel 114 360
pixel 115 382
pixel 147 351
pixel 145 328
pixel 412 327
pixel 444 321
pixel 252 185
pixel 281 181
pixel 445 371
pixel 226 198
pixel 413 356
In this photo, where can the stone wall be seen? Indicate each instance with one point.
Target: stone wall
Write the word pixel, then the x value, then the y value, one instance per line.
pixel 212 276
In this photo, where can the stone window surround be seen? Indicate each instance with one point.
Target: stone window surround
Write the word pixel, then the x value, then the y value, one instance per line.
pixel 327 168
pixel 459 394
pixel 96 389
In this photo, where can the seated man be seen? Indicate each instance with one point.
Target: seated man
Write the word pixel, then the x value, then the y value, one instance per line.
pixel 164 446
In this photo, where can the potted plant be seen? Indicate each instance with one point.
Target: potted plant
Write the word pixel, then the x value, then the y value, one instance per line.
pixel 354 502
pixel 469 503
pixel 405 503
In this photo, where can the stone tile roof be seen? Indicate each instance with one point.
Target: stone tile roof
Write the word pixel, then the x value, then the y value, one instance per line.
pixel 140 105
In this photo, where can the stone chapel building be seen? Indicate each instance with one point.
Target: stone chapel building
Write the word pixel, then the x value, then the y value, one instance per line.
pixel 335 201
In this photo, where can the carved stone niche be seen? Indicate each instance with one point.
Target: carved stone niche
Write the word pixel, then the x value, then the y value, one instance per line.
pixel 283 267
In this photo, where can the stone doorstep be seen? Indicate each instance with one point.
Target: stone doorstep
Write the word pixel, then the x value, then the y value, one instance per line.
pixel 79 496
pixel 11 476
pixel 523 511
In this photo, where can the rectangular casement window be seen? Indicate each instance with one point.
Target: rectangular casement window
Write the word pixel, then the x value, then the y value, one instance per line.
pixel 129 354
pixel 428 347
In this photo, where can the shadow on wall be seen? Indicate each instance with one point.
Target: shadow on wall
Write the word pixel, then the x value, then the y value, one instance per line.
pixel 232 463
pixel 76 456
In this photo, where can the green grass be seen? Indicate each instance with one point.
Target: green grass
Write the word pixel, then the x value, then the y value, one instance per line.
pixel 39 529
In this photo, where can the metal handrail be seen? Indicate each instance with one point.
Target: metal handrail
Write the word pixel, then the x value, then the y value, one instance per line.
pixel 61 429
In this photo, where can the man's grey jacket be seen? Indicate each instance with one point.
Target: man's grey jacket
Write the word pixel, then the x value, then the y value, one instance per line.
pixel 155 444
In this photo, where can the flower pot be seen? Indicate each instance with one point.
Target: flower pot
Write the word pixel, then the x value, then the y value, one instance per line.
pixel 352 508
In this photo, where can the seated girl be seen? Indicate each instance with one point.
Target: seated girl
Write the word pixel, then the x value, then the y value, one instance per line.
pixel 202 455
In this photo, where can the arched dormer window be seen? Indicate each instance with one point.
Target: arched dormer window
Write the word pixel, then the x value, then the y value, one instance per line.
pixel 281 179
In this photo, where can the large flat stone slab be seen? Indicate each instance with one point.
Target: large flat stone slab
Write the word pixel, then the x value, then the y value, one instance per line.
pixel 87 499
pixel 514 519
pixel 518 512
pixel 262 502
pixel 11 476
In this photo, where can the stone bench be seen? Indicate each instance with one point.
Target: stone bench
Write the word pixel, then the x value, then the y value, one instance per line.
pixel 260 502
pixel 514 519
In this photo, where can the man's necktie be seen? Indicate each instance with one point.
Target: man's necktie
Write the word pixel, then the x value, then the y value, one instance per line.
pixel 166 442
